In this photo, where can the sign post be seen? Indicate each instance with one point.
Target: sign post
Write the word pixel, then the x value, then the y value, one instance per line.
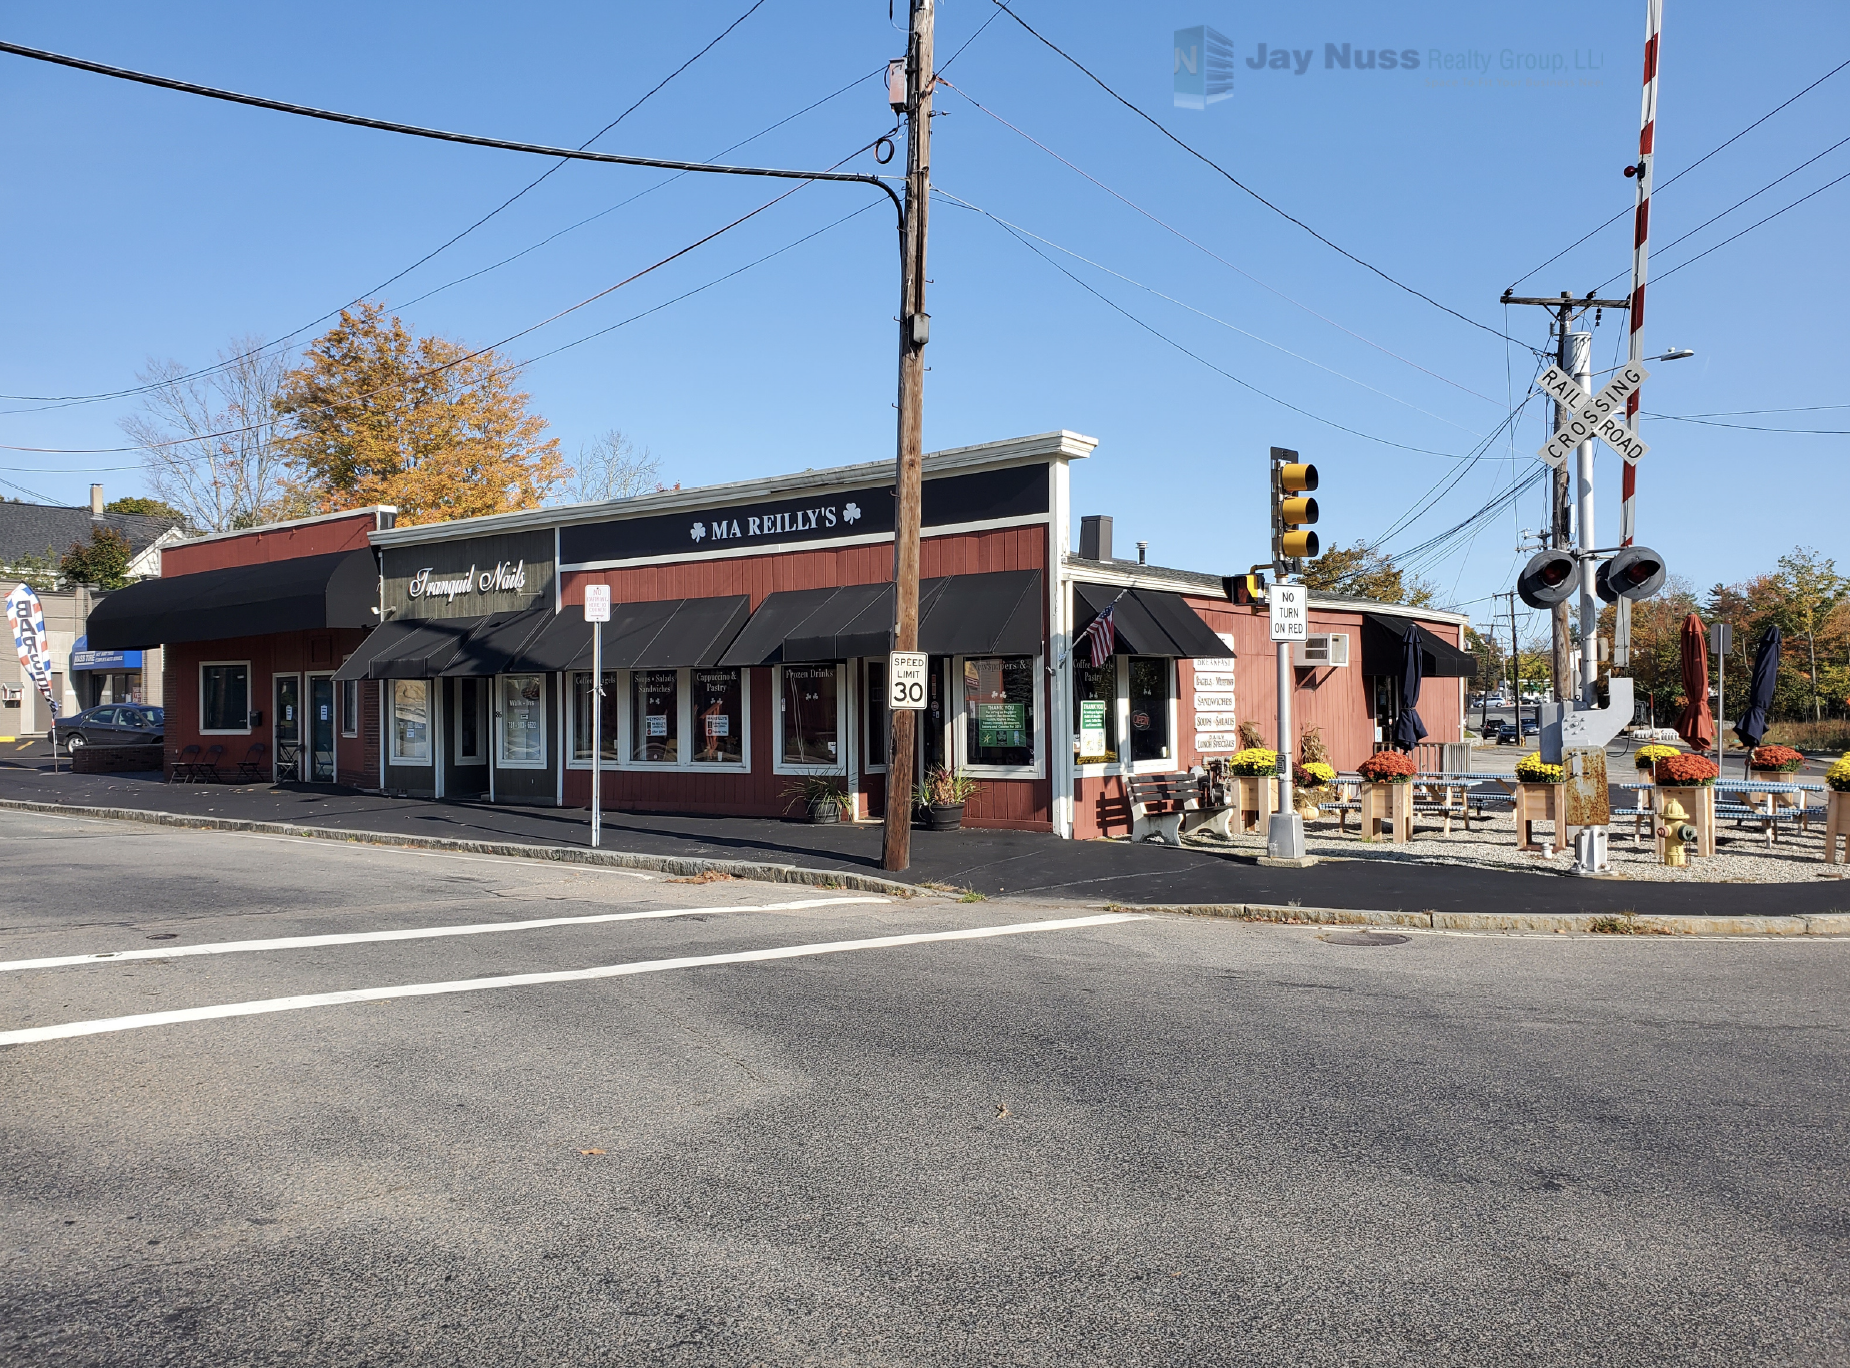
pixel 1290 622
pixel 597 613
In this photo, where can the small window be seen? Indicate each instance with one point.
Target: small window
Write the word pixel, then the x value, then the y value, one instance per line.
pixel 1095 713
pixel 410 721
pixel 224 698
pixel 581 716
pixel 1150 694
pixel 719 716
pixel 523 721
pixel 809 730
pixel 879 738
pixel 999 710
pixel 471 721
pixel 350 707
pixel 655 716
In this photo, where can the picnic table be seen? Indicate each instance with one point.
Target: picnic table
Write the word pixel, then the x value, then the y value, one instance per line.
pixel 1784 802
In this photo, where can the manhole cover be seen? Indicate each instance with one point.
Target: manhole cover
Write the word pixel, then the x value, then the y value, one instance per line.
pixel 1364 938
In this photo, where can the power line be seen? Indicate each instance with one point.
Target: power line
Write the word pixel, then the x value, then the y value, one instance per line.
pixel 1750 227
pixel 1684 172
pixel 1207 161
pixel 1750 427
pixel 206 370
pixel 1205 250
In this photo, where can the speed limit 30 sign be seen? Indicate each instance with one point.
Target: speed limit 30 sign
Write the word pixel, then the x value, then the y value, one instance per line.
pixel 905 672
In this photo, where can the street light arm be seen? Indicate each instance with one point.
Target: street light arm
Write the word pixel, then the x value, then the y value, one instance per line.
pixel 443 135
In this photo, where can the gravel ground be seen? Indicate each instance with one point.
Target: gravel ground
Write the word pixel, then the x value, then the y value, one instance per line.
pixel 1741 855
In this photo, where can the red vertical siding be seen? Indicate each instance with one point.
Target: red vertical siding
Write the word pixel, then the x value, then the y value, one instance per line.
pixel 350 533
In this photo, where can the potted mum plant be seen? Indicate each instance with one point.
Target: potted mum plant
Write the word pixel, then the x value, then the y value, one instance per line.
pixel 1647 757
pixel 1539 799
pixel 823 798
pixel 1387 796
pixel 1312 779
pixel 1775 760
pixel 1837 811
pixel 942 794
pixel 1690 779
pixel 1255 795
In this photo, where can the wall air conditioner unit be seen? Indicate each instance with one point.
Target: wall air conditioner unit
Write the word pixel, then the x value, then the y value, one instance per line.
pixel 1320 650
pixel 10 693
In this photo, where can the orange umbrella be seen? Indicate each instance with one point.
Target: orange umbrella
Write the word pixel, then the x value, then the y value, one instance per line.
pixel 1695 724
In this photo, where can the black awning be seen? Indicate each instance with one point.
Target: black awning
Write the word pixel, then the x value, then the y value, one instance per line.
pixel 1382 639
pixel 998 613
pixel 340 589
pixel 1148 622
pixel 663 634
pixel 496 642
pixel 417 648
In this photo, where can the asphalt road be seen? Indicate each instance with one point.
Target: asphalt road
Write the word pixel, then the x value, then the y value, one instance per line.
pixel 1148 1141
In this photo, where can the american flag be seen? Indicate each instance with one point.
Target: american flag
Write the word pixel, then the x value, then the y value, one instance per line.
pixel 1101 637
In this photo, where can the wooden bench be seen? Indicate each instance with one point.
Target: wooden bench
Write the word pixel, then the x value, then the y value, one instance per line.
pixel 1167 805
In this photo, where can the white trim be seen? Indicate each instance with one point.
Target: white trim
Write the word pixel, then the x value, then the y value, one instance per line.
pixel 500 752
pixel 818 544
pixel 1058 446
pixel 374 509
pixel 741 766
pixel 960 724
pixel 613 721
pixel 1059 679
pixel 245 730
pixel 844 721
pixel 394 759
pixel 623 726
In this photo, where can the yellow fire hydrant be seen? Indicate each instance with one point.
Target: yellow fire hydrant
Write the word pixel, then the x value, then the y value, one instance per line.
pixel 1678 834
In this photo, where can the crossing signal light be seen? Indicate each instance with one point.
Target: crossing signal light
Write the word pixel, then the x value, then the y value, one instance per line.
pixel 1293 510
pixel 1549 578
pixel 1637 572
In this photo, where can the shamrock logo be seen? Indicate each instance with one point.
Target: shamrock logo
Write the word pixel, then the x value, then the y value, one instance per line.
pixel 697 531
pixel 851 513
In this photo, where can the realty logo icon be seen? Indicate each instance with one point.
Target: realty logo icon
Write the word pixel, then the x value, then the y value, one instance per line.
pixel 1203 67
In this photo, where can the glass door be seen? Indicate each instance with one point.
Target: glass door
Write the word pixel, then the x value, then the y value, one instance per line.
pixel 321 728
pixel 287 728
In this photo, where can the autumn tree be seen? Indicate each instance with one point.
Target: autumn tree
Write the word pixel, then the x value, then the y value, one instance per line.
pixel 376 415
pixel 1365 571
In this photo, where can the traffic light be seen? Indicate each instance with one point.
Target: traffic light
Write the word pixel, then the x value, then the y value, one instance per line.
pixel 1549 578
pixel 1637 572
pixel 1292 508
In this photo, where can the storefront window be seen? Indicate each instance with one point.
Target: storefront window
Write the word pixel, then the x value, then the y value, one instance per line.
pixel 350 707
pixel 1150 738
pixel 471 721
pixel 410 721
pixel 999 710
pixel 811 715
pixel 655 716
pixel 1095 713
pixel 879 720
pixel 719 716
pixel 523 721
pixel 581 715
pixel 224 698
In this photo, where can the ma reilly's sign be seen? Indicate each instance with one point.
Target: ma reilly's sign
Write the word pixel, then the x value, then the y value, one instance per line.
pixel 470 577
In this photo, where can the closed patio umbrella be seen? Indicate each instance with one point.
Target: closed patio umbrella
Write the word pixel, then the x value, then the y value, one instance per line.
pixel 1752 725
pixel 1408 729
pixel 1695 724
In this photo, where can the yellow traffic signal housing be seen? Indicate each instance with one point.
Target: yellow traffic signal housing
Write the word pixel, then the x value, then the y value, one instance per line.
pixel 1292 508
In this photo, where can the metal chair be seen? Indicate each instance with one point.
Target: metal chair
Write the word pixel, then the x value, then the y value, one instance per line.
pixel 186 766
pixel 250 768
pixel 207 768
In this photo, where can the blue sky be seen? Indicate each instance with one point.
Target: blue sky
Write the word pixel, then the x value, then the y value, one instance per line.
pixel 145 223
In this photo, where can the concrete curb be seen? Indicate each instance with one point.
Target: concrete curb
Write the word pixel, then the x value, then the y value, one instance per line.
pixel 1825 924
pixel 656 864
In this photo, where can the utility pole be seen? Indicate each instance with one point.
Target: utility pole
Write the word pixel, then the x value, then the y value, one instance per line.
pixel 1515 666
pixel 914 332
pixel 1580 353
pixel 1565 309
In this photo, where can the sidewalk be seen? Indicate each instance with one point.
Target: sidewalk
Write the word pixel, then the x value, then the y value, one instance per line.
pixel 994 863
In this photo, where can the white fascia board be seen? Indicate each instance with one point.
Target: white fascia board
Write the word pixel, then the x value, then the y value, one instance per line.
pixel 1059 446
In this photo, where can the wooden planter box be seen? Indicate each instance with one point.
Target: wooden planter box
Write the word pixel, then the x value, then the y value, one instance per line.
pixel 1698 801
pixel 1540 803
pixel 1836 823
pixel 1387 812
pixel 1254 797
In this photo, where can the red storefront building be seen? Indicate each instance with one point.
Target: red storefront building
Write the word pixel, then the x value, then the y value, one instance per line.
pixel 747 649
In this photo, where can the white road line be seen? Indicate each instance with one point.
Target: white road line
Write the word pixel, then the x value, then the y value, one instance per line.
pixel 409 933
pixel 34 1034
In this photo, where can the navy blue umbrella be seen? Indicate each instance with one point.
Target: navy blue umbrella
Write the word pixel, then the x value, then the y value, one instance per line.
pixel 1752 725
pixel 1409 729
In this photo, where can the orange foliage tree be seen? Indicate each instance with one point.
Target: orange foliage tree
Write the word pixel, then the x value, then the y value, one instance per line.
pixel 375 415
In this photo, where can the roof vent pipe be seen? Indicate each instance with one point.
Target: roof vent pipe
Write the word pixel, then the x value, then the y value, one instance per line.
pixel 96 501
pixel 1095 537
pixel 1143 553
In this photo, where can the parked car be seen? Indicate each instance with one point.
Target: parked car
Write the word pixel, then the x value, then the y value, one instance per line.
pixel 1507 733
pixel 111 724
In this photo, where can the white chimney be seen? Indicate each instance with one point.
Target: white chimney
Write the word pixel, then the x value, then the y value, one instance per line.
pixel 96 501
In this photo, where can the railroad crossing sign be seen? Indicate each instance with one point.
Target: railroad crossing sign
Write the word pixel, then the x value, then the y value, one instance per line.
pixel 1598 415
